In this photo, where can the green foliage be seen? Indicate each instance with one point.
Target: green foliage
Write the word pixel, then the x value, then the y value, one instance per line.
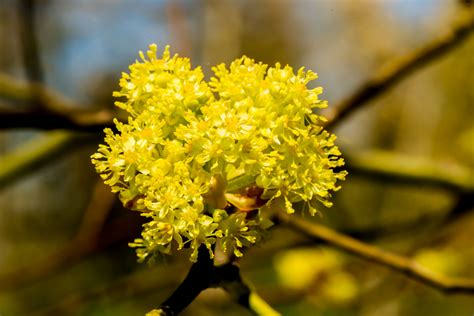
pixel 251 129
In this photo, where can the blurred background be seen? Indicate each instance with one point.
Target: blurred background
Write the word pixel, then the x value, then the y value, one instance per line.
pixel 63 235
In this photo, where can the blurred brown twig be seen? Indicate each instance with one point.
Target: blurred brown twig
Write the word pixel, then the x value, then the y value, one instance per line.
pixel 140 282
pixel 57 113
pixel 398 70
pixel 386 165
pixel 176 18
pixel 33 154
pixel 93 236
pixel 393 261
pixel 29 42
pixel 203 275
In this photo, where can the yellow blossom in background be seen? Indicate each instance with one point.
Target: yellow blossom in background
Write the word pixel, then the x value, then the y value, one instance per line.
pixel 317 272
pixel 156 312
pixel 206 162
pixel 440 261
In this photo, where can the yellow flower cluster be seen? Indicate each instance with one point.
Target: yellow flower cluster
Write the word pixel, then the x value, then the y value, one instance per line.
pixel 208 162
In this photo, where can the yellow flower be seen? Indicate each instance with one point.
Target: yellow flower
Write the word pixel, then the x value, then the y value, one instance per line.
pixel 190 148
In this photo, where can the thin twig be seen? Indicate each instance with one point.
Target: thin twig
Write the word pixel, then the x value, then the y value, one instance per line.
pixel 399 70
pixel 117 231
pixel 56 112
pixel 36 153
pixel 29 40
pixel 141 282
pixel 203 275
pixel 395 262
pixel 386 165
pixel 154 281
pixel 18 90
pixel 85 122
pixel 96 214
pixel 197 280
pixel 54 118
pixel 176 18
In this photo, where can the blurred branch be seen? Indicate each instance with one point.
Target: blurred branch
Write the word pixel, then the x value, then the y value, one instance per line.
pixel 93 122
pixel 385 165
pixel 145 281
pixel 86 243
pixel 202 275
pixel 197 280
pixel 57 111
pixel 176 18
pixel 466 3
pixel 34 154
pixel 395 262
pixel 464 203
pixel 29 42
pixel 140 282
pixel 95 214
pixel 17 90
pixel 399 70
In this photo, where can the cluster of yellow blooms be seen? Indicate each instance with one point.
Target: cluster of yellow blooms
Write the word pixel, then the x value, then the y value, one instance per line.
pixel 209 162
